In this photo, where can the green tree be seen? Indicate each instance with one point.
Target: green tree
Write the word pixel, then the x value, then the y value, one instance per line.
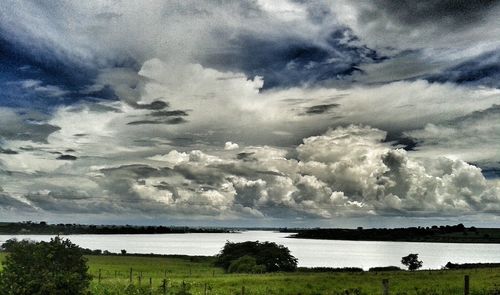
pixel 412 262
pixel 53 268
pixel 272 256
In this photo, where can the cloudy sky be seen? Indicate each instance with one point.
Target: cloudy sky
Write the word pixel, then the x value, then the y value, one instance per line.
pixel 263 112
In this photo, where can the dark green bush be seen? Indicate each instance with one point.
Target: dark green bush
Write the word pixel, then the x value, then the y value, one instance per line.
pixel 271 256
pixel 385 268
pixel 56 267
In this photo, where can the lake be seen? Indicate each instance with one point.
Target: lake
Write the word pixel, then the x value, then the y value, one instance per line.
pixel 310 253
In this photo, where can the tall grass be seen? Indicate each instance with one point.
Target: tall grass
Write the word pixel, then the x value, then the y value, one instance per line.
pixel 199 273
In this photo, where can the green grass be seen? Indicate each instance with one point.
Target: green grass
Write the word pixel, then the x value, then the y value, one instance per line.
pixel 196 272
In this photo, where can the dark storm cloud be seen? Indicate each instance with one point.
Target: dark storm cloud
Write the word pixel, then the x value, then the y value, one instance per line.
pixel 38 133
pixel 19 126
pixel 406 143
pixel 74 63
pixel 159 115
pixel 165 186
pixel 492 112
pixel 172 121
pixel 68 201
pixel 143 122
pixel 9 203
pixel 491 172
pixel 320 109
pixel 155 105
pixel 441 41
pixel 67 157
pixel 286 62
pixel 169 113
pixel 135 171
pixel 206 175
pixel 51 76
pixel 8 151
pixel 453 14
pixel 245 156
pixel 176 120
pixel 480 70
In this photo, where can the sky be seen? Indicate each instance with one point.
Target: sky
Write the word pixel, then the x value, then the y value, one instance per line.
pixel 250 113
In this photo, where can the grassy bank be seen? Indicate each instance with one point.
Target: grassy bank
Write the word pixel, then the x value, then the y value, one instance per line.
pixel 198 272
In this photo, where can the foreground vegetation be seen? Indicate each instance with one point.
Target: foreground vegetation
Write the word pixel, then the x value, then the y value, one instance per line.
pixel 198 272
pixel 54 267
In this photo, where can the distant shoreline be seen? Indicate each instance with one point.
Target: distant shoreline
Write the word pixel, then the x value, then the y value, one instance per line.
pixel 43 228
pixel 435 234
pixel 399 241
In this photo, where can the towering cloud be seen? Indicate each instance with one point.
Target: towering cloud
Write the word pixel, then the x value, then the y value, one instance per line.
pixel 345 172
pixel 250 110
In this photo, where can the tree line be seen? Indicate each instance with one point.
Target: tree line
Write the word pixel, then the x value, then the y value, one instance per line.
pixel 43 227
pixel 449 233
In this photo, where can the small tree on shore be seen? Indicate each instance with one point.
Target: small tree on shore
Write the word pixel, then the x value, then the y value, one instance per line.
pixel 55 267
pixel 412 262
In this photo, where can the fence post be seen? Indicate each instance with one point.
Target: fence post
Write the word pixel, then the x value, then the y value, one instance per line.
pixel 140 278
pixel 99 280
pixel 466 285
pixel 242 290
pixel 164 287
pixel 130 275
pixel 385 284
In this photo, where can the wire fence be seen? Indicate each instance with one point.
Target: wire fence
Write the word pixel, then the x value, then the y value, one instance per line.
pixel 138 282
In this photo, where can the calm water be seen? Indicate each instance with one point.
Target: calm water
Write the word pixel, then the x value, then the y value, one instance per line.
pixel 309 252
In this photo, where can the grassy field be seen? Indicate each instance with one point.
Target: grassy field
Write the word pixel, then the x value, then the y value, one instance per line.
pixel 197 273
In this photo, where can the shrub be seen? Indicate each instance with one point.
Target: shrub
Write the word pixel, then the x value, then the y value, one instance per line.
pixel 271 256
pixel 385 268
pixel 412 262
pixel 55 267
